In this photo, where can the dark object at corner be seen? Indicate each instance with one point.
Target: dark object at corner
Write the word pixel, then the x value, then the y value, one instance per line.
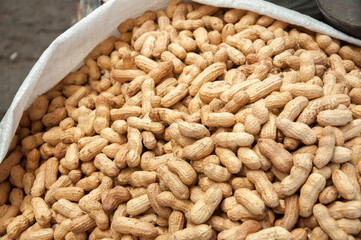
pixel 344 15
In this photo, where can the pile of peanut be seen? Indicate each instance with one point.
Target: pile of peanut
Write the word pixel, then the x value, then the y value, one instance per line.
pixel 196 123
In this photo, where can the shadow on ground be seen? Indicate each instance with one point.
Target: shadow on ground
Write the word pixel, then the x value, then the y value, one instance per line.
pixel 26 29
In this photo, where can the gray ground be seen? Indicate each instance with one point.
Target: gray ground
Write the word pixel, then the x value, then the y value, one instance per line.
pixel 27 27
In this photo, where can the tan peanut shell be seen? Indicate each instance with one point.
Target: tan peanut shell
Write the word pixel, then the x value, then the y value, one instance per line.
pixel 196 122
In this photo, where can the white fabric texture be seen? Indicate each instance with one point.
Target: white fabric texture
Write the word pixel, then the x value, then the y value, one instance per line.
pixel 67 52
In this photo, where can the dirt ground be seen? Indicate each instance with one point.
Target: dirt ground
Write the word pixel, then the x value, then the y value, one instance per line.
pixel 26 30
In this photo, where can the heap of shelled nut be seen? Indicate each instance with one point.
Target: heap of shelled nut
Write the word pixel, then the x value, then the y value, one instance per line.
pixel 196 123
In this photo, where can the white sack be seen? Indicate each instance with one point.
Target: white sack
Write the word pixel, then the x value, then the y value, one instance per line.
pixel 66 53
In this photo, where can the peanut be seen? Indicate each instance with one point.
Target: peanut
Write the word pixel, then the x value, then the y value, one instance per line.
pixel 193 119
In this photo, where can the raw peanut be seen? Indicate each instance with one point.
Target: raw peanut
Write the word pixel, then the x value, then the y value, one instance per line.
pixel 351 227
pixel 329 45
pixel 229 159
pixel 310 113
pixel 135 227
pixel 29 143
pixel 88 183
pixel 16 197
pixel 201 231
pixel 138 205
pixel 174 133
pixel 213 22
pixel 142 178
pixel 297 130
pixel 342 155
pixel 62 181
pixel 112 136
pixel 90 150
pixel 309 193
pixel 184 170
pixel 39 184
pixel 350 209
pixel 114 198
pixel 351 171
pixel 310 91
pixel 307 67
pixel 120 126
pixel 216 172
pixel 134 147
pixel 72 135
pixel 67 208
pixel 241 231
pixel 233 139
pixel 16 226
pixel 163 69
pixel 249 19
pixel 327 223
pixel 207 75
pixel 221 224
pixel 220 119
pixel 69 193
pixel 239 212
pixel 16 176
pixel 4 190
pixel 201 37
pixel 318 233
pixel 291 213
pixel 51 172
pixel 101 114
pixel 173 182
pixel 262 89
pixel 202 11
pixel 264 187
pixel 328 195
pixel 122 76
pixel 250 200
pixel 265 21
pixel 175 95
pixel 105 165
pixel 343 184
pixel 95 210
pixel 54 118
pixel 298 174
pixel 125 112
pixel 334 117
pixel 38 108
pixel 211 90
pixel 352 129
pixel 41 211
pixel 299 234
pixel 280 158
pixel 152 192
pixel 194 60
pixel 274 233
pixel 204 208
pixel 193 130
pixel 199 149
pixel 307 42
pixel 53 136
pixel 82 223
pixel 175 221
pixel 161 43
pixel 326 147
pixel 249 158
pixel 167 199
pixel 347 52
